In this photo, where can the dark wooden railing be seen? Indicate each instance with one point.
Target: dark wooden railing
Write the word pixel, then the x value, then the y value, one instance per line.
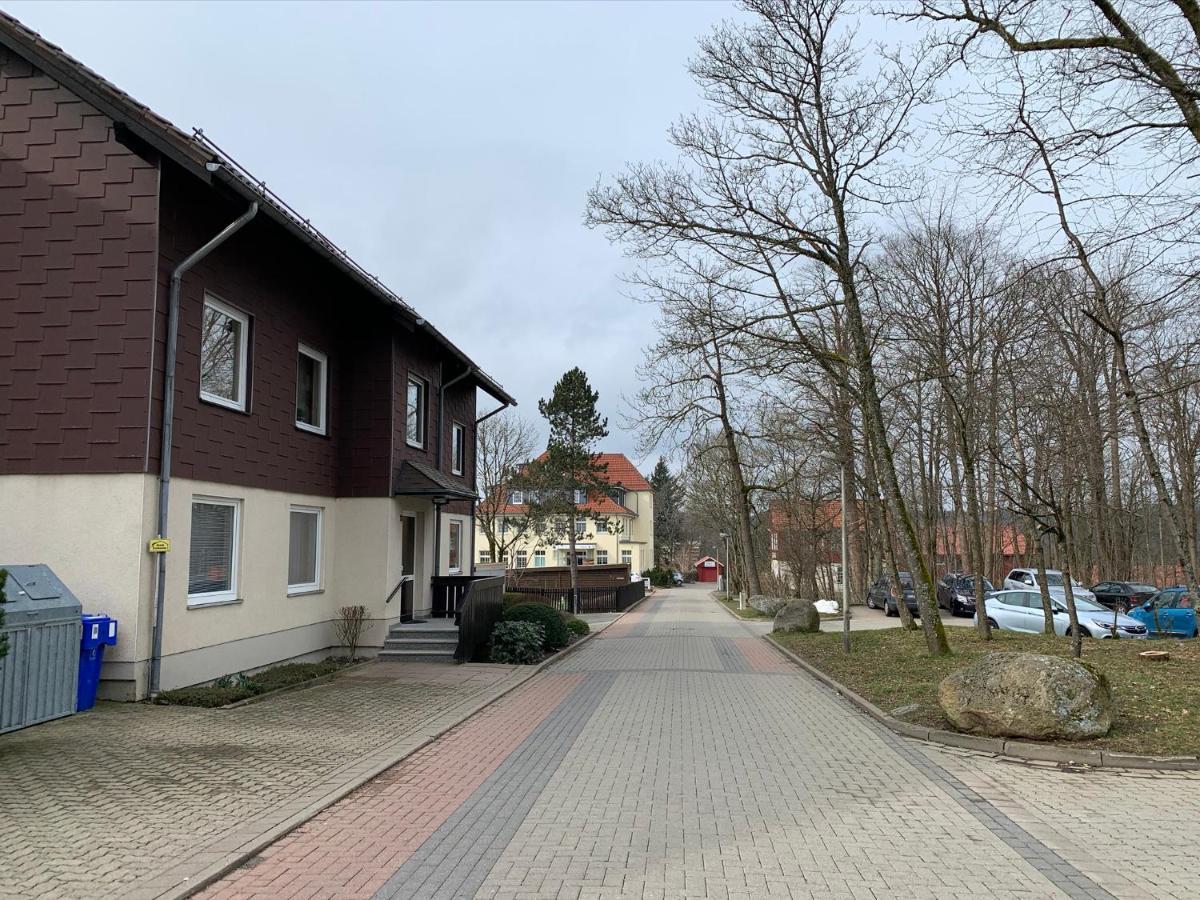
pixel 479 609
pixel 448 593
pixel 591 599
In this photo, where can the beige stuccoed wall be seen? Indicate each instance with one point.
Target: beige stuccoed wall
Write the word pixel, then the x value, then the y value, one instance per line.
pixel 92 530
pixel 89 530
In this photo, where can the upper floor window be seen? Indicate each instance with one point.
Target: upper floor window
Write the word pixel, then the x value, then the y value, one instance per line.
pixel 414 426
pixel 619 496
pixel 224 338
pixel 581 496
pixel 516 498
pixel 311 393
pixel 580 525
pixel 458 449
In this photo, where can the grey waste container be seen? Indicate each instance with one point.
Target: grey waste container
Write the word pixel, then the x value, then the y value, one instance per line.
pixel 38 676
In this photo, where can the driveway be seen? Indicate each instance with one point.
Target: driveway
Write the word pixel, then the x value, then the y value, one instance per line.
pixel 679 755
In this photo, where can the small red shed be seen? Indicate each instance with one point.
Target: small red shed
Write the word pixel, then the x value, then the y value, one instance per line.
pixel 708 569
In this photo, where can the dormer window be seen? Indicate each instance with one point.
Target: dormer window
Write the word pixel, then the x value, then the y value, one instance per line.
pixel 619 496
pixel 581 497
pixel 516 498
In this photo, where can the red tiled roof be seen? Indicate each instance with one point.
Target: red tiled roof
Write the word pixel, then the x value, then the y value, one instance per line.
pixel 620 471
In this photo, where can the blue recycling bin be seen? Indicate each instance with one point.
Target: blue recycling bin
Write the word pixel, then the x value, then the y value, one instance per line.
pixel 99 631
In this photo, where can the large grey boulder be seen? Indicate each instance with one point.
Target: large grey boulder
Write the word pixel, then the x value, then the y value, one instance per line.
pixel 768 606
pixel 1028 695
pixel 798 615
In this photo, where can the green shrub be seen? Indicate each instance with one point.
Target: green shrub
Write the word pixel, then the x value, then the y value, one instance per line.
pixel 578 626
pixel 516 598
pixel 517 643
pixel 554 629
pixel 658 577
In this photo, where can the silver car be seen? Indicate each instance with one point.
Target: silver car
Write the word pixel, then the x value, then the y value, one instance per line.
pixel 1022 611
pixel 1026 579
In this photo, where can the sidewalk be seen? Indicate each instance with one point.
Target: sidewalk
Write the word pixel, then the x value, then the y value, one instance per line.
pixel 133 800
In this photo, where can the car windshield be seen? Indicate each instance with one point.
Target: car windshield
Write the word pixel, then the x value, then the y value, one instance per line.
pixel 1138 588
pixel 967 585
pixel 1054 579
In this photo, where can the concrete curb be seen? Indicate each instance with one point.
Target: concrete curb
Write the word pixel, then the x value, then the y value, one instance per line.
pixel 1014 749
pixel 187 886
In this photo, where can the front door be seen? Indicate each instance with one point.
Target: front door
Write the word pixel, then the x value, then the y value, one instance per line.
pixel 408 567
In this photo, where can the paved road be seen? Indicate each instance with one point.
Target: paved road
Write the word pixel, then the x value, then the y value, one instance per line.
pixel 679 755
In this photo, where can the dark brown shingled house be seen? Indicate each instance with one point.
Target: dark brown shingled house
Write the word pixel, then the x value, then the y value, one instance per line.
pixel 157 303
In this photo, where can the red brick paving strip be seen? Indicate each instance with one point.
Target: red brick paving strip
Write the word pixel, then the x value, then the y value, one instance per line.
pixel 350 849
pixel 762 657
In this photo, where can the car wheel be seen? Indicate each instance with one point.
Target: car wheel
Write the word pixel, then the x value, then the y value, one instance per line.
pixel 887 610
pixel 1083 632
pixel 993 624
pixel 871 602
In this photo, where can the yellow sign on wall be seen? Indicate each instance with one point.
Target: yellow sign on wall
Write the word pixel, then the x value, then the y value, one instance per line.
pixel 159 545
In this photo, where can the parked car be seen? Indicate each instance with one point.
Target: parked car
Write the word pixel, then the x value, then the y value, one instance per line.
pixel 676 577
pixel 1021 610
pixel 879 595
pixel 1123 595
pixel 956 593
pixel 1026 579
pixel 1169 613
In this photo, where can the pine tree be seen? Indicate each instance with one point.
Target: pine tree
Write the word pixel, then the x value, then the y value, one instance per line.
pixel 668 513
pixel 561 484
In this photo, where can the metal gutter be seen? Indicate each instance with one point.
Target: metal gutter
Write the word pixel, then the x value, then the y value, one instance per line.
pixel 168 423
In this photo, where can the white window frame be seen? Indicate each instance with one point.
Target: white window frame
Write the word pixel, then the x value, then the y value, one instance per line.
pixel 313 586
pixel 458 448
pixel 235 556
pixel 321 410
pixel 517 498
pixel 485 557
pixel 539 555
pixel 453 524
pixel 239 403
pixel 521 559
pixel 598 555
pixel 422 423
pixel 580 525
pixel 580 497
pixel 627 557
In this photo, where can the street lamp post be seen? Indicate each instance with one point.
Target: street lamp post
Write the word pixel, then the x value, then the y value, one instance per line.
pixel 845 571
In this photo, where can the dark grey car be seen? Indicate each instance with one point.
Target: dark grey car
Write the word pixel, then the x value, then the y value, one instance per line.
pixel 879 595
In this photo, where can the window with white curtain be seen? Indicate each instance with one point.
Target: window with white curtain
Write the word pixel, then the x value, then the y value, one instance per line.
pixel 304 549
pixel 213 550
pixel 414 423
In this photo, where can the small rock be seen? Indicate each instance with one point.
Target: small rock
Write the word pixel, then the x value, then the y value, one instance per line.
pixel 798 615
pixel 1027 695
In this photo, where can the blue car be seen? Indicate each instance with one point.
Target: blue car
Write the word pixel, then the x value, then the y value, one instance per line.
pixel 1169 613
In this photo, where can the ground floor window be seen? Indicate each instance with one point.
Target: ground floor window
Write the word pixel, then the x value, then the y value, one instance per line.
pixel 304 549
pixel 485 556
pixel 454 548
pixel 213 551
pixel 539 558
pixel 627 557
pixel 602 557
pixel 522 559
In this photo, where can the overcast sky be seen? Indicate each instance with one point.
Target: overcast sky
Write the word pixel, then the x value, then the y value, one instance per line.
pixel 447 147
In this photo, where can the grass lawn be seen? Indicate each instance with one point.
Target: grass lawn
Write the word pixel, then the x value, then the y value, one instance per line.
pixel 748 613
pixel 1157 703
pixel 239 687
